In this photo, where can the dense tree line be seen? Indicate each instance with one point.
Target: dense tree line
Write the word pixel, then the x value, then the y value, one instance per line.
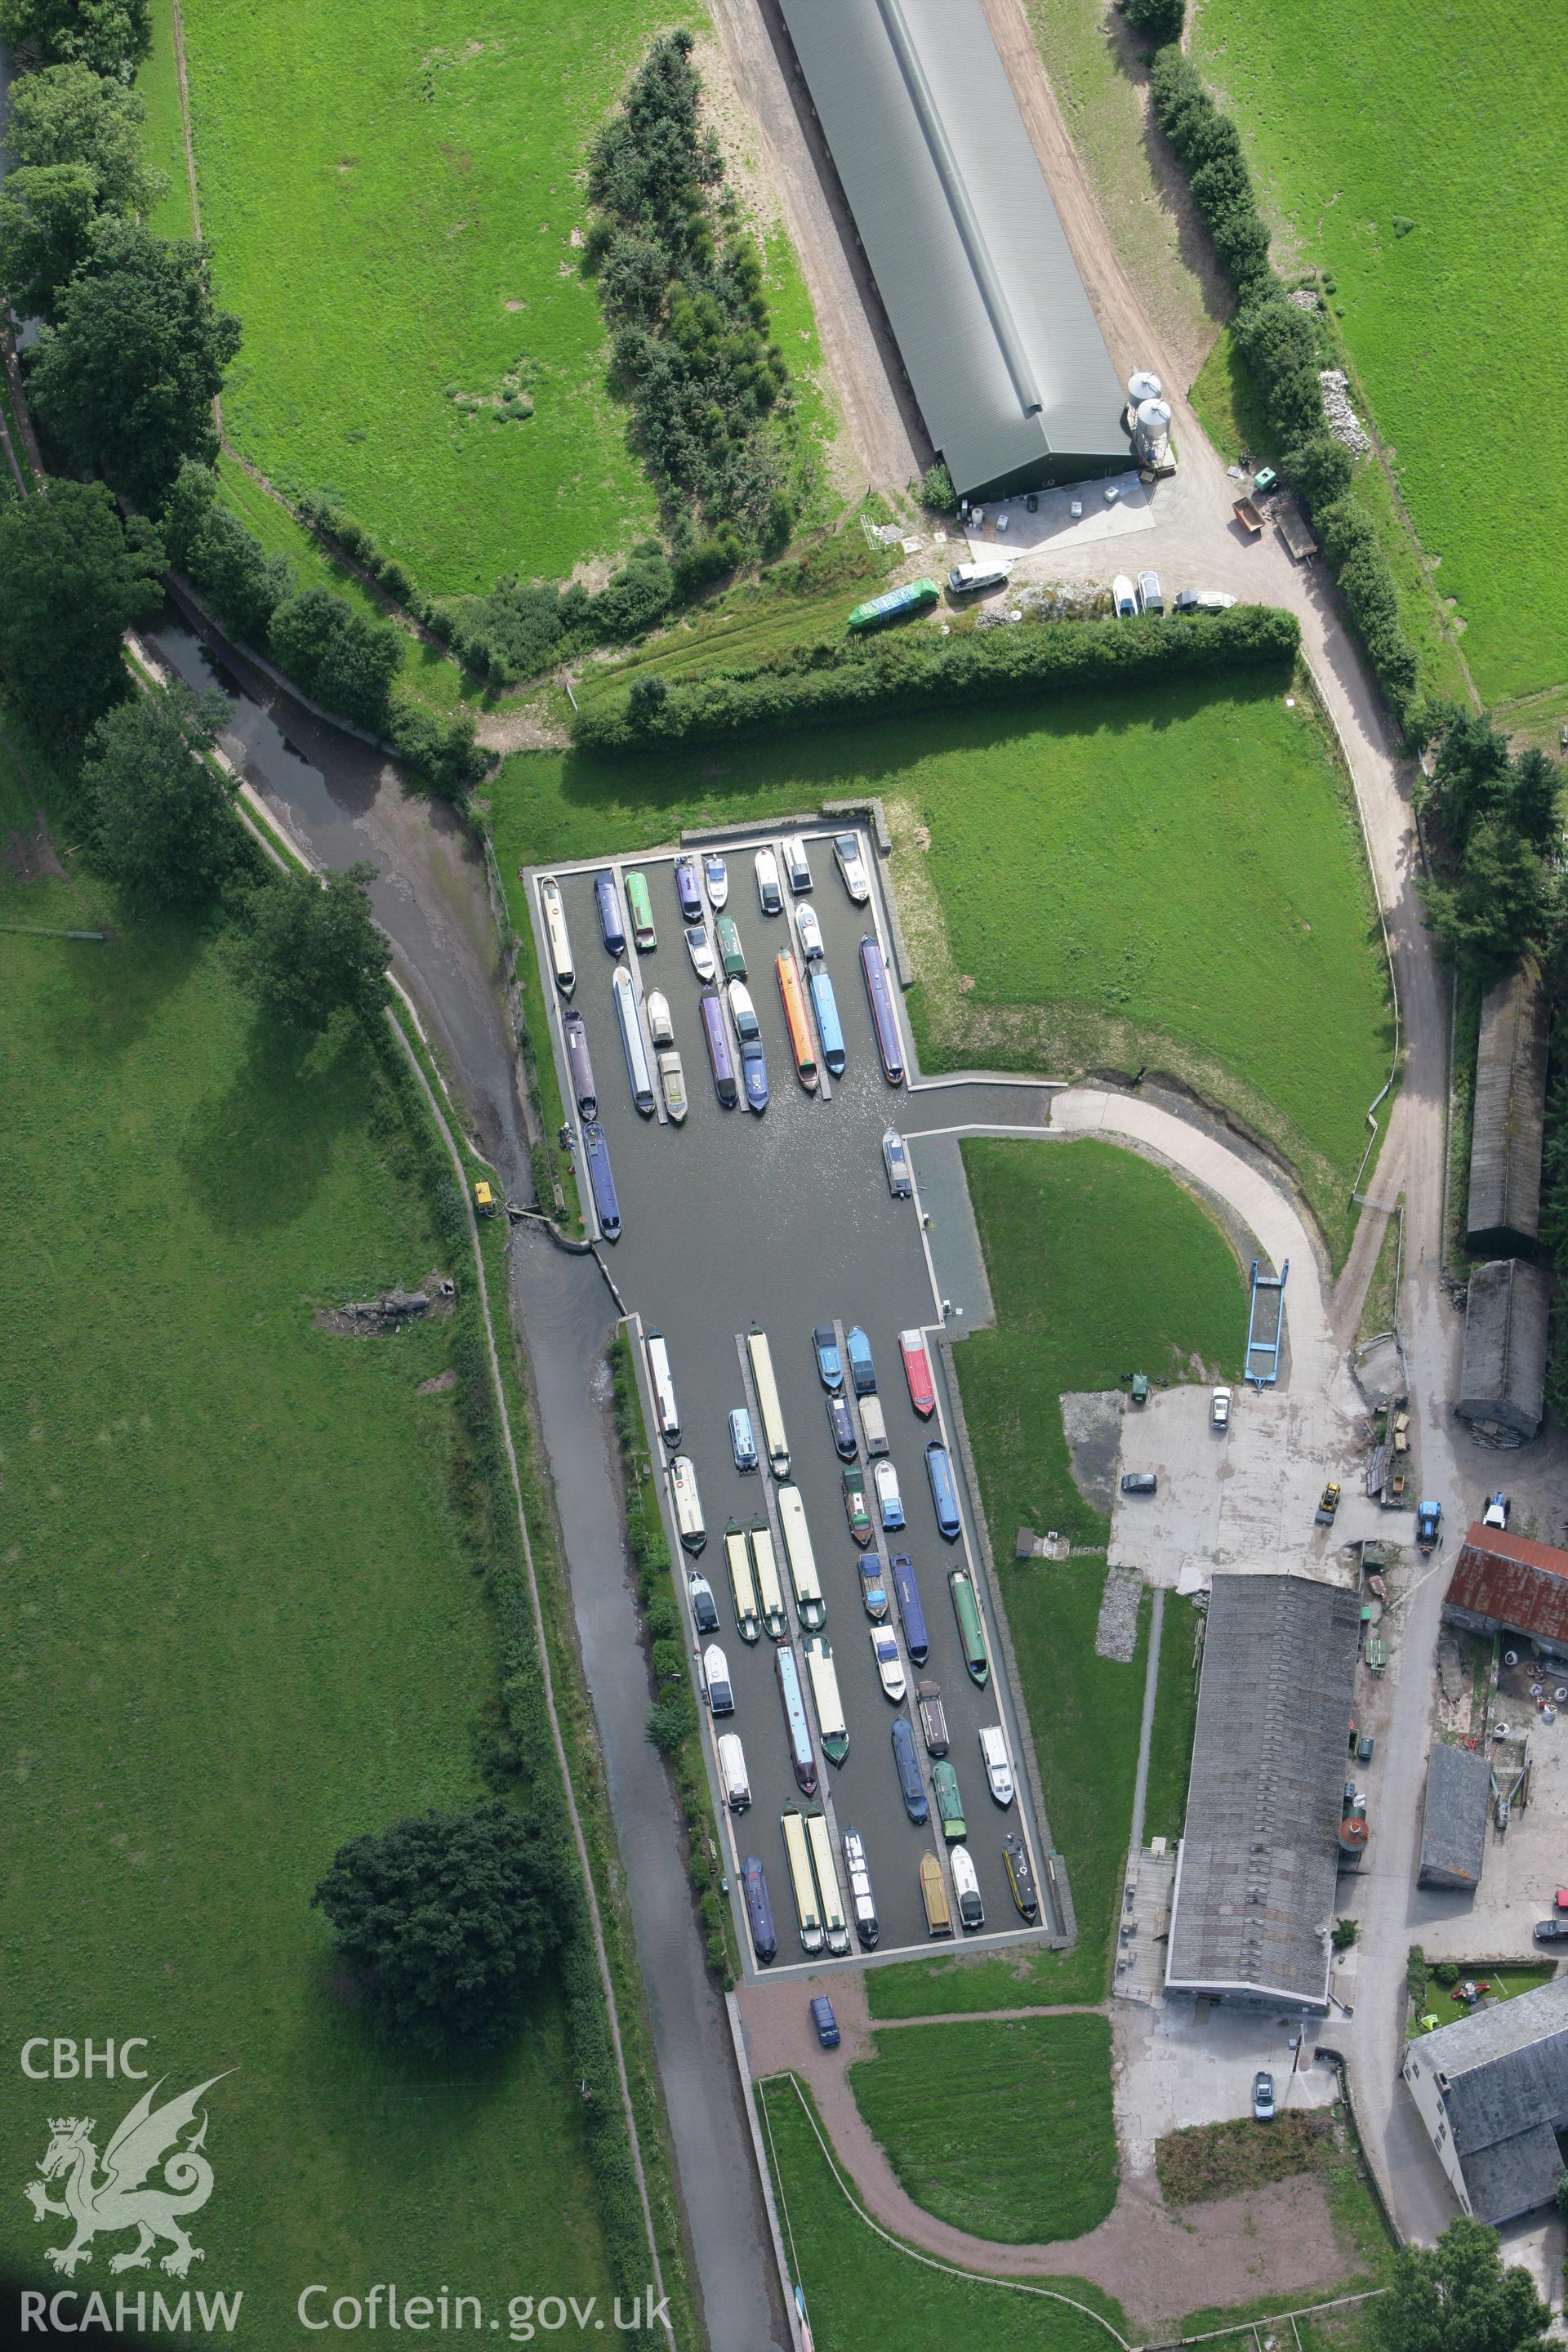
pixel 818 685
pixel 681 287
pixel 1286 348
pixel 1495 831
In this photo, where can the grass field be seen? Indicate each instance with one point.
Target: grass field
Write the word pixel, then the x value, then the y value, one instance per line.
pixel 974 2117
pixel 244 1623
pixel 1423 173
pixel 862 2292
pixel 1057 870
pixel 1176 1720
pixel 1096 1260
pixel 393 187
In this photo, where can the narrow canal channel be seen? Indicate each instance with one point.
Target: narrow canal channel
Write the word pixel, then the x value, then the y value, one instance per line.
pixel 340 799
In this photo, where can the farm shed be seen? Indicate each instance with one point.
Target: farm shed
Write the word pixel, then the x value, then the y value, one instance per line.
pixel 1256 1871
pixel 1504 1583
pixel 1454 1821
pixel 1502 1380
pixel 1503 1218
pixel 1000 345
pixel 1492 2090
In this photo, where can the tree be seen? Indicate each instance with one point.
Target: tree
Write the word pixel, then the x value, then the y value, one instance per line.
pixel 446 1920
pixel 1469 773
pixel 1496 907
pixel 1157 21
pixel 110 35
pixel 232 568
pixel 161 814
pixel 1533 799
pixel 72 579
pixel 1318 469
pixel 125 382
pixel 70 114
pixel 47 212
pixel 190 501
pixel 313 949
pixel 1457 2297
pixel 337 656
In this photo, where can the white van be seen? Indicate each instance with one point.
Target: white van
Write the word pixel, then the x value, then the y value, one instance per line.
pixel 798 866
pixel 1123 598
pixel 873 1428
pixel 733 1772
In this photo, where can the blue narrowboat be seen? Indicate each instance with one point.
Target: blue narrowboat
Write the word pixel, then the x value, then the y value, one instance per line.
pixel 759 1910
pixel 911 1616
pixel 884 1020
pixel 825 1006
pixel 721 1061
pixel 612 921
pixel 862 1370
pixel 800 1756
pixel 575 1029
pixel 907 1764
pixel 602 1181
pixel 689 889
pixel 943 1489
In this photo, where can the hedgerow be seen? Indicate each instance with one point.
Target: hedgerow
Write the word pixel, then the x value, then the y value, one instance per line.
pixel 1286 349
pixel 818 685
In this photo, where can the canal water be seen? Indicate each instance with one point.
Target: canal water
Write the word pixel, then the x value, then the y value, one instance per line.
pixel 342 800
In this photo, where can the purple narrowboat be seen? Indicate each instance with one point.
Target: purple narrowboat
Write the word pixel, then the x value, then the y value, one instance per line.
pixel 884 1020
pixel 717 1038
pixel 689 889
pixel 575 1029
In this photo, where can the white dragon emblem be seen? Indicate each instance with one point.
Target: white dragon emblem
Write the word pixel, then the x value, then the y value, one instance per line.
pixel 146 2138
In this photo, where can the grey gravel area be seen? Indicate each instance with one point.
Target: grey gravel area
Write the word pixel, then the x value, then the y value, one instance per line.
pixel 1091 1422
pixel 1116 1635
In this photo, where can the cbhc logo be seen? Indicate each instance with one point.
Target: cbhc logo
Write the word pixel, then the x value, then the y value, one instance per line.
pixel 65 2060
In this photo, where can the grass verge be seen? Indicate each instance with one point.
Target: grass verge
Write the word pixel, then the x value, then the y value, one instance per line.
pixel 1176 1720
pixel 1099 1263
pixel 863 2289
pixel 974 2115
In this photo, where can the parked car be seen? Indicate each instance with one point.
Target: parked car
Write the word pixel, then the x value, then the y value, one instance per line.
pixel 1149 597
pixel 1219 1409
pixel 1428 1524
pixel 968 579
pixel 826 2024
pixel 1203 600
pixel 1497 1510
pixel 1263 2098
pixel 1552 1931
pixel 1139 1482
pixel 852 866
pixel 896 1159
pixel 1123 598
pixel 829 1362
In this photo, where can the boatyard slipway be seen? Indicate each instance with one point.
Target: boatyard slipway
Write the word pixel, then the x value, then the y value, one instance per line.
pixel 786 1221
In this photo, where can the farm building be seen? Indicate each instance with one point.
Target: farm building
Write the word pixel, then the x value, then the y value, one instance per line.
pixel 1492 2090
pixel 1503 1218
pixel 1000 345
pixel 1454 1820
pixel 1503 1583
pixel 1253 1904
pixel 1502 1380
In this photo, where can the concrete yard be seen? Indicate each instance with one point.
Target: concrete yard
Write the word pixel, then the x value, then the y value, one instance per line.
pixel 786 1221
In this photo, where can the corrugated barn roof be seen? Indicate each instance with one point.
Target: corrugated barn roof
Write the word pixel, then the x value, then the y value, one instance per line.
pixel 1502 1379
pixel 997 337
pixel 1509 1580
pixel 1504 1212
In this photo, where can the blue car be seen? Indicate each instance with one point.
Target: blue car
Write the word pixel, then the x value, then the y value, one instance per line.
pixel 826 2024
pixel 862 1370
pixel 754 1076
pixel 743 1443
pixel 829 1362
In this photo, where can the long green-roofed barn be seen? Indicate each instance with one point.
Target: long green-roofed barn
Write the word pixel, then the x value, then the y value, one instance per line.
pixel 999 341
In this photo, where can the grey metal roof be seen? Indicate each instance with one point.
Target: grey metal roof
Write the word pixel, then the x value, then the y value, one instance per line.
pixel 1258 1869
pixel 1502 2074
pixel 1503 1376
pixel 997 336
pixel 1508 1124
pixel 1454 1821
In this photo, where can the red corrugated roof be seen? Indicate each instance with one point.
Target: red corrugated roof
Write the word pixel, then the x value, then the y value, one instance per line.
pixel 1517 1582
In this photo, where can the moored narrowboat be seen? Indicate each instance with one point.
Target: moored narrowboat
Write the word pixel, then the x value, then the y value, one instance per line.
pixel 688 1504
pixel 556 934
pixel 638 1070
pixel 742 1588
pixel 721 1059
pixel 884 1017
pixel 689 889
pixel 761 1357
pixel 918 1372
pixel 639 907
pixel 607 1207
pixel 966 1886
pixel 862 1901
pixel 944 1490
pixel 830 1028
pixel 971 1631
pixel 759 1909
pixel 765 1573
pixel 801 1561
pixel 797 1732
pixel 793 998
pixel 672 1078
pixel 732 955
pixel 855 1510
pixel 667 1412
pixel 1020 1875
pixel 830 1724
pixel 579 1064
pixel 911 1611
pixel 612 922
pixel 803 1879
pixel 835 1926
pixel 933 1896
